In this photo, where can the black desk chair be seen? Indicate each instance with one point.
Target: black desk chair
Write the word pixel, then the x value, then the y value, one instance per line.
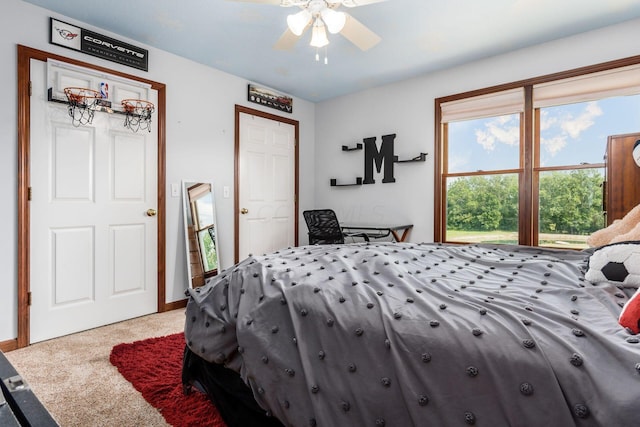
pixel 325 229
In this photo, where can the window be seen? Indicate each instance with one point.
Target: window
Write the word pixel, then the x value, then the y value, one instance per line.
pixel 570 206
pixel 483 208
pixel 523 163
pixel 486 144
pixel 482 188
pixel 572 143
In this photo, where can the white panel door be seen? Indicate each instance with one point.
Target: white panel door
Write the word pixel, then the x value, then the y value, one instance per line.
pixel 93 248
pixel 266 185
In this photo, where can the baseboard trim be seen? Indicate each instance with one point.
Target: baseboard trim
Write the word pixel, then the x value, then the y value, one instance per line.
pixel 174 305
pixel 9 345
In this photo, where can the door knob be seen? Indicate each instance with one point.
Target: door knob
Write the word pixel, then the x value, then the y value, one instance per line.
pixel 244 211
pixel 151 212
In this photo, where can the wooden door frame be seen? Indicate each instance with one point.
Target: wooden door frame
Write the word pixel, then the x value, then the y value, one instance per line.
pixel 25 54
pixel 236 205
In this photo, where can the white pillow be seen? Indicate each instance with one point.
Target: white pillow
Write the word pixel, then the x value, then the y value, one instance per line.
pixel 617 263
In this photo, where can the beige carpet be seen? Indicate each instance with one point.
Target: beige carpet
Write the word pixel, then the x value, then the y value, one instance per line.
pixel 75 381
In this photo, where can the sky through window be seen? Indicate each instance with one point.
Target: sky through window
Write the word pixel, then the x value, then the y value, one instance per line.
pixel 570 134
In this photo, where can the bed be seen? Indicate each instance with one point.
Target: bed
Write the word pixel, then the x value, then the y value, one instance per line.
pixel 402 334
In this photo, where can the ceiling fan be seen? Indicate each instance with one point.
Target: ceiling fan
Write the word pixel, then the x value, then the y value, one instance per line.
pixel 322 15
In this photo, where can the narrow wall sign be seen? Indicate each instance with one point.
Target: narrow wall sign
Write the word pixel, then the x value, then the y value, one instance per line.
pixel 270 98
pixel 86 41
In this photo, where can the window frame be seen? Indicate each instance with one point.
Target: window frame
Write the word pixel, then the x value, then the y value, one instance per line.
pixel 529 171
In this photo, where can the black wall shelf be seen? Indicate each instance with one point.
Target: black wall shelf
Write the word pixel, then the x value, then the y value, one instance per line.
pixel 334 183
pixel 347 148
pixel 375 158
pixel 420 158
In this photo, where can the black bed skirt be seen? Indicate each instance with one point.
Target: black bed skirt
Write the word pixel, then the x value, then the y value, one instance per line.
pixel 224 387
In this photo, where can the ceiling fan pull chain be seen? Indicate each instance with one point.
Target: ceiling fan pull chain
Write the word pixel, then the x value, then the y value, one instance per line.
pixel 326 56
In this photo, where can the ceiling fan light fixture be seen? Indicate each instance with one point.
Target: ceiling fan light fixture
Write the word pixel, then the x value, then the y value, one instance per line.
pixel 297 22
pixel 333 20
pixel 319 35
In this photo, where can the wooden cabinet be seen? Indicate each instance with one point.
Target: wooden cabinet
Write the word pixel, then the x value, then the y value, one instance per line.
pixel 622 185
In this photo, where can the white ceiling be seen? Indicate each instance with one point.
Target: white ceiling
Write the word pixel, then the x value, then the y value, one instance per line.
pixel 418 36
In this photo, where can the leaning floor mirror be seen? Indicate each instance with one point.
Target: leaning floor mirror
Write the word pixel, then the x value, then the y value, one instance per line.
pixel 201 233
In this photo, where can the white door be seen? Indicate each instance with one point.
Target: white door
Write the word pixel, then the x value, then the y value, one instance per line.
pixel 93 246
pixel 266 185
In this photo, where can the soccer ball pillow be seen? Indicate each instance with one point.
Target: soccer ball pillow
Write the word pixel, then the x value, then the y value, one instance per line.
pixel 617 263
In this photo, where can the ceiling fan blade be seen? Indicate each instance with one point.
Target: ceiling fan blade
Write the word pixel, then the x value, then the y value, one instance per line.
pixel 287 41
pixel 283 3
pixel 358 34
pixel 275 2
pixel 355 3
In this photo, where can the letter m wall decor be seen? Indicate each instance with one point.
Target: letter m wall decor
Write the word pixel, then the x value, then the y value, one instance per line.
pixel 383 158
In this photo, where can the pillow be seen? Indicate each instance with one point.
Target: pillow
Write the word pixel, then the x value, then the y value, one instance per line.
pixel 630 315
pixel 617 263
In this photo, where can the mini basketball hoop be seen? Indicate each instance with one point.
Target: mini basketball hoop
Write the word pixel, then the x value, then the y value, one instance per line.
pixel 82 103
pixel 138 114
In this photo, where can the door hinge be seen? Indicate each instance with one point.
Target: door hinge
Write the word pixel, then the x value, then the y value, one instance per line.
pixel 30 88
pixel 29 298
pixel 29 194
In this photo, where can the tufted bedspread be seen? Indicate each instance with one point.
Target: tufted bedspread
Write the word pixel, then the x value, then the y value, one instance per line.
pixel 400 334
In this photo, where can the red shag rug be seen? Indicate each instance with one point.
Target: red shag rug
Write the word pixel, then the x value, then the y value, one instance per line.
pixel 154 368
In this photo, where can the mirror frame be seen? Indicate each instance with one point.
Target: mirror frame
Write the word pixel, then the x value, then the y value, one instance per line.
pixel 186 212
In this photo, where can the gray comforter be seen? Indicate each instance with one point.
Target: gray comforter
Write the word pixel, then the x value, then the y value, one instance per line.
pixel 398 334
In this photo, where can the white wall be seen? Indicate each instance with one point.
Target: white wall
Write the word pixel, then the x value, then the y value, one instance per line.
pixel 407 109
pixel 200 142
